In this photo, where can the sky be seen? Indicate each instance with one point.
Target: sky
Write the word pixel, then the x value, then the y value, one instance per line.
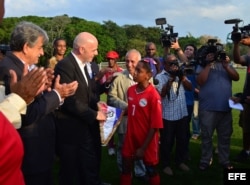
pixel 195 17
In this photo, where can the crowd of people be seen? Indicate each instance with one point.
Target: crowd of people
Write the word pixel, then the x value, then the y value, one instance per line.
pixel 53 111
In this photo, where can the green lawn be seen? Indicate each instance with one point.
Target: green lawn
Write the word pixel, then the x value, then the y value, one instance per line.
pixel 213 176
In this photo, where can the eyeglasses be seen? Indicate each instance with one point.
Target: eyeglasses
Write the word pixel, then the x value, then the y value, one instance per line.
pixel 173 62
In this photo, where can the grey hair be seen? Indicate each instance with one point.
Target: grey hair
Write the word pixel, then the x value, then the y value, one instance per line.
pixel 26 32
pixel 134 51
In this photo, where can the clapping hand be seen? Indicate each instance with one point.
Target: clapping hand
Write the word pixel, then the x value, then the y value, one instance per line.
pixel 50 77
pixel 30 85
pixel 65 89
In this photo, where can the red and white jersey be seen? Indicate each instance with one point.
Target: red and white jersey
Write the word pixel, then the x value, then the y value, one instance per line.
pixel 144 113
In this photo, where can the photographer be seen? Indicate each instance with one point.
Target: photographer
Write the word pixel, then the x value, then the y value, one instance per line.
pixel 244 60
pixel 188 67
pixel 215 76
pixel 171 89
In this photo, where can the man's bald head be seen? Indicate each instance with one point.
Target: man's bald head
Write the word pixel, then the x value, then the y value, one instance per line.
pixel 85 46
pixel 84 38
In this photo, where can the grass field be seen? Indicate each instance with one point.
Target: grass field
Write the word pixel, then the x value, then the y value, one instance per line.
pixel 213 176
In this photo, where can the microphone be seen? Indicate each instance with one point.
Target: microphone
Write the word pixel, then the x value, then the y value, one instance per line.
pixel 232 21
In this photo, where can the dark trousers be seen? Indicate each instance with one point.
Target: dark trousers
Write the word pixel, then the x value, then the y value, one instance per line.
pixel 45 178
pixel 173 132
pixel 80 163
pixel 190 109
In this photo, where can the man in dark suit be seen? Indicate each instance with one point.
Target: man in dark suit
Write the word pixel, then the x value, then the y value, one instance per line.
pixel 38 129
pixel 78 135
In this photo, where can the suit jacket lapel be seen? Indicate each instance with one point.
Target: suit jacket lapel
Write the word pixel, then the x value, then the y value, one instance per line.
pixel 80 77
pixel 19 66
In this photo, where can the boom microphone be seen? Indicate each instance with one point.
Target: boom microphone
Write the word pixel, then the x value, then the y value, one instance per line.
pixel 232 21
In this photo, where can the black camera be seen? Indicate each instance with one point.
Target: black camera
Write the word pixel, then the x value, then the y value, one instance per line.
pixel 238 33
pixel 214 47
pixel 178 71
pixel 189 67
pixel 167 33
pixel 245 31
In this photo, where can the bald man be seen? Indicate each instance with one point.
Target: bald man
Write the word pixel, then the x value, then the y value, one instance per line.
pixel 78 136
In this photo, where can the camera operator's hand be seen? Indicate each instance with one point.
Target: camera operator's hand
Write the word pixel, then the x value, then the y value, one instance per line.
pixel 167 86
pixel 240 100
pixel 181 75
pixel 170 81
pixel 236 99
pixel 245 41
pixel 225 63
pixel 186 83
pixel 175 45
pixel 210 58
pixel 236 37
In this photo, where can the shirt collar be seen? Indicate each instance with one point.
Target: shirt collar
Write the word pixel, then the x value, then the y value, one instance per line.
pixel 79 62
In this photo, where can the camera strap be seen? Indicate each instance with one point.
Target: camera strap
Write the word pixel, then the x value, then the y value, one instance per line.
pixel 177 91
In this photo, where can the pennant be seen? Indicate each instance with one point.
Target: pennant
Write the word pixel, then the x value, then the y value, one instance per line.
pixel 108 128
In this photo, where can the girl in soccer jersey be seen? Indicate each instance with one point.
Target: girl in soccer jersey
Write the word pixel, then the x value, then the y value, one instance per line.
pixel 144 121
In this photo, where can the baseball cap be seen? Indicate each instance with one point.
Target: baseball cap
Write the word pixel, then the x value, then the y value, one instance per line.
pixel 112 55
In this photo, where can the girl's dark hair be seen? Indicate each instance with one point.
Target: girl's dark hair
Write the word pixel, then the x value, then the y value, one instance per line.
pixel 146 65
pixel 57 39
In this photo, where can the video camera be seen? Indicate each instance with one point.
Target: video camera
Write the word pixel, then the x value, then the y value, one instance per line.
pixel 214 47
pixel 167 33
pixel 189 67
pixel 238 33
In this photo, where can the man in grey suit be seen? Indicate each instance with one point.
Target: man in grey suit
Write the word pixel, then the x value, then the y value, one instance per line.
pixel 78 134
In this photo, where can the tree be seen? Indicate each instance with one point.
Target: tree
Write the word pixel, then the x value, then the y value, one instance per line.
pixel 183 41
pixel 137 44
pixel 109 34
pixel 118 34
pixel 55 29
pixel 204 38
pixel 135 31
